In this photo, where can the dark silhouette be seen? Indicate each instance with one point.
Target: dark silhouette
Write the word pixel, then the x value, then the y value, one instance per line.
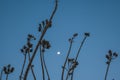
pixel 26 51
pixel 73 61
pixel 69 50
pixel 44 45
pixel 47 26
pixel 110 56
pixel 7 70
pixel 29 53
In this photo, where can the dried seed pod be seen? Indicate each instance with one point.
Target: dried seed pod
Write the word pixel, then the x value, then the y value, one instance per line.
pixel 40 28
pixel 110 52
pixel 107 62
pixel 4 69
pixel 22 50
pixel 87 34
pixel 31 50
pixel 115 54
pixel 75 35
pixel 108 57
pixel 12 69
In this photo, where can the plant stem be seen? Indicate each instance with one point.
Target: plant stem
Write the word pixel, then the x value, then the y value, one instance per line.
pixel 41 59
pixel 107 71
pixel 32 68
pixel 80 48
pixel 46 67
pixel 63 69
pixel 1 74
pixel 39 42
pixel 76 58
pixel 6 76
pixel 72 76
pixel 23 67
pixel 54 11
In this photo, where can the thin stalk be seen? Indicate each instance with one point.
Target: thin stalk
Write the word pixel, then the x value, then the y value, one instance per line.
pixel 76 58
pixel 46 67
pixel 63 69
pixel 32 68
pixel 1 74
pixel 39 42
pixel 6 76
pixel 72 76
pixel 41 59
pixel 69 72
pixel 80 48
pixel 107 71
pixel 33 73
pixel 23 67
pixel 54 11
pixel 67 75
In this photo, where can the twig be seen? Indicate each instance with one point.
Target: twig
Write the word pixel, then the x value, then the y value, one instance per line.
pixel 63 68
pixel 1 74
pixel 110 56
pixel 86 35
pixel 107 71
pixel 7 76
pixel 54 11
pixel 23 67
pixel 41 59
pixel 32 68
pixel 46 67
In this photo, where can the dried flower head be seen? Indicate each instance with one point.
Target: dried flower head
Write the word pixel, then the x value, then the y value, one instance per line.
pixel 115 54
pixel 46 44
pixel 8 69
pixel 108 57
pixel 110 52
pixel 87 34
pixel 107 62
pixel 75 35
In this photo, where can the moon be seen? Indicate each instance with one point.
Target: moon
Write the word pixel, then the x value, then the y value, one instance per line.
pixel 58 53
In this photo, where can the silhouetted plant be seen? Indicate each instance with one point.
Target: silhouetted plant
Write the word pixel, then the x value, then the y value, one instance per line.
pixel 7 70
pixel 47 25
pixel 29 53
pixel 72 62
pixel 26 50
pixel 68 53
pixel 44 45
pixel 110 56
pixel 1 74
pixel 75 64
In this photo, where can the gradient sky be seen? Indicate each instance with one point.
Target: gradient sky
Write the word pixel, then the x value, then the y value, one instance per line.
pixel 99 17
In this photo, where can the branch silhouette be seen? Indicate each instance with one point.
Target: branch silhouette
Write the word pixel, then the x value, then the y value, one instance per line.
pixel 44 45
pixel 26 50
pixel 110 56
pixel 86 35
pixel 68 53
pixel 7 71
pixel 41 59
pixel 75 62
pixel 69 65
pixel 20 77
pixel 41 37
pixel 1 74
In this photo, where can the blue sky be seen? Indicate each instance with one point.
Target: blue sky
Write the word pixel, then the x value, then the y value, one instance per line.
pixel 99 17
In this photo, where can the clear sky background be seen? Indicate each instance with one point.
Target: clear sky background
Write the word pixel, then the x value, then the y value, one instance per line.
pixel 99 17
